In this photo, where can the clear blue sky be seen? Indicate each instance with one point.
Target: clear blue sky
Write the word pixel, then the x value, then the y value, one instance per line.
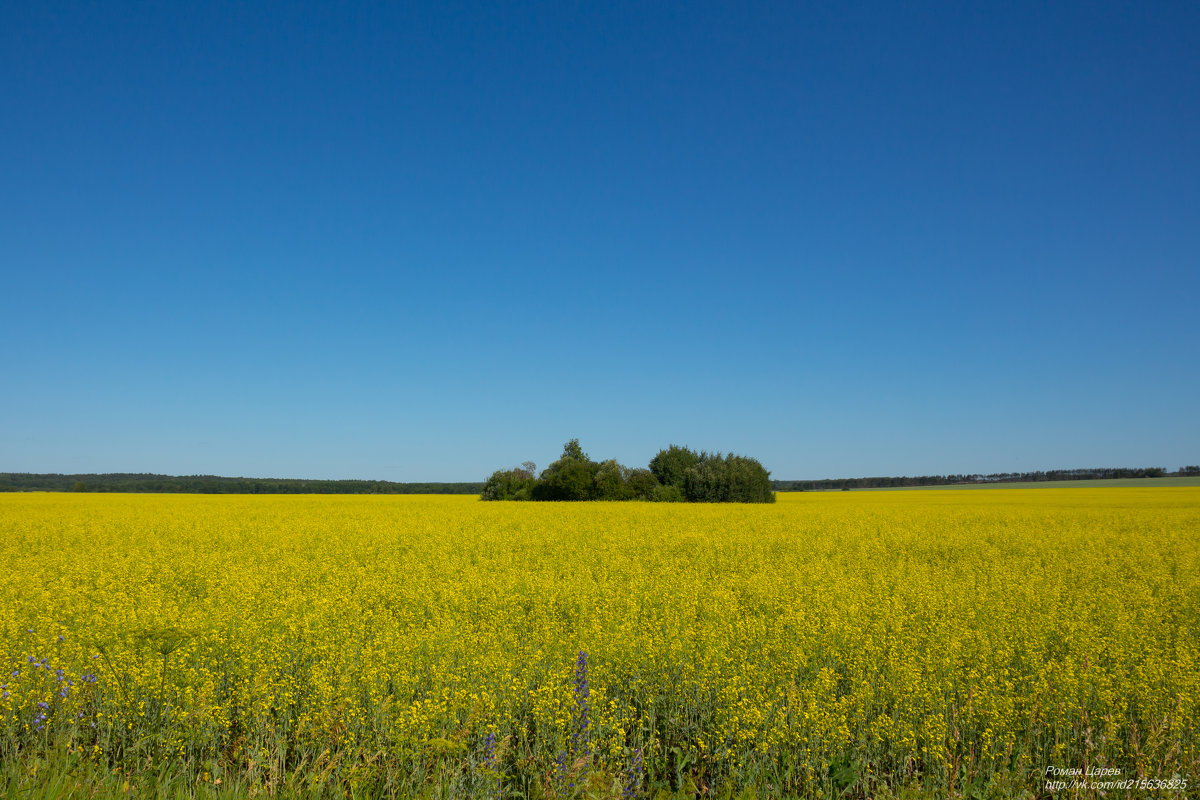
pixel 382 241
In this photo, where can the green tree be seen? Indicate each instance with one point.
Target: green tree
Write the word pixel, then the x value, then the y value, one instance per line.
pixel 670 466
pixel 571 477
pixel 749 482
pixel 642 484
pixel 510 484
pixel 611 482
pixel 707 481
pixel 727 479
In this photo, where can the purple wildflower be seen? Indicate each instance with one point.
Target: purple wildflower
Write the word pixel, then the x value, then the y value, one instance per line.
pixel 582 723
pixel 561 774
pixel 489 750
pixel 490 763
pixel 633 778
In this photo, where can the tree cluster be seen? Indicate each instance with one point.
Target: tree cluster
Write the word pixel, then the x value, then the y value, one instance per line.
pixel 676 474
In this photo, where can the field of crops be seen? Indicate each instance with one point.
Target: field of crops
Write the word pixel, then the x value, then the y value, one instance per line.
pixel 857 643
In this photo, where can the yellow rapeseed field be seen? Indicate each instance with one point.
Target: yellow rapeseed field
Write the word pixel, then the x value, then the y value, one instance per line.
pixel 956 642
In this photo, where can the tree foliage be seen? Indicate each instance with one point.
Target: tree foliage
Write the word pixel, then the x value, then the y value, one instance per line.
pixel 642 484
pixel 571 477
pixel 510 484
pixel 727 479
pixel 670 466
pixel 676 474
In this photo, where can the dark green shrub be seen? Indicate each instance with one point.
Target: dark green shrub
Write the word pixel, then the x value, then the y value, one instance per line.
pixel 667 494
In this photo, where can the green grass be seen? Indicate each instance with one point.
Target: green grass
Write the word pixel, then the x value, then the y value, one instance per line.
pixel 65 775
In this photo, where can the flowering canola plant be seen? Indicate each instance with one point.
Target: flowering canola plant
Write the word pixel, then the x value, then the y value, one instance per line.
pixel 876 639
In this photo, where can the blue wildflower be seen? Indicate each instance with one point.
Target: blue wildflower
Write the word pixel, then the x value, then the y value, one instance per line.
pixel 582 723
pixel 633 778
pixel 489 750
pixel 561 773
pixel 490 764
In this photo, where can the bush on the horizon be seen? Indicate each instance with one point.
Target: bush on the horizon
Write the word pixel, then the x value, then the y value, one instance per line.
pixel 727 479
pixel 509 484
pixel 670 466
pixel 675 474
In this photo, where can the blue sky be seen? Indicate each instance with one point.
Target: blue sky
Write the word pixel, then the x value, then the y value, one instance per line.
pixel 422 243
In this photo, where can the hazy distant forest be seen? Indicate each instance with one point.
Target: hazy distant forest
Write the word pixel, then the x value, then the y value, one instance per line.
pixel 213 484
pixel 1090 474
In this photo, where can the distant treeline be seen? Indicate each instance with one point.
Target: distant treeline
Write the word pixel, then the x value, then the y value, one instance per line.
pixel 214 484
pixel 1097 473
pixel 675 475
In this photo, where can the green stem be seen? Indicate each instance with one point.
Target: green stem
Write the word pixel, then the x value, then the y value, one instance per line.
pixel 120 682
pixel 162 685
